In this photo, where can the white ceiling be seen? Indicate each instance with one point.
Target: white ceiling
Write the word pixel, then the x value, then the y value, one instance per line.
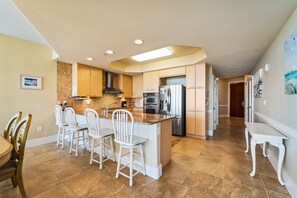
pixel 14 23
pixel 234 34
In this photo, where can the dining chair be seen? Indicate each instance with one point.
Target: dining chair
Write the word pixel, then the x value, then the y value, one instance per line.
pixel 63 126
pixel 77 131
pixel 13 168
pixel 123 126
pixel 11 125
pixel 103 149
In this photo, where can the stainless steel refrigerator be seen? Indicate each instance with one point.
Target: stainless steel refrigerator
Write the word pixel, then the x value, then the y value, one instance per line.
pixel 172 102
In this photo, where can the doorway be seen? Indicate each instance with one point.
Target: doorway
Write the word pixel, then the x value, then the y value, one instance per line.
pixel 237 99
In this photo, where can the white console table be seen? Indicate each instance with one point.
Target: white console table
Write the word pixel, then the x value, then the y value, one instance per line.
pixel 262 133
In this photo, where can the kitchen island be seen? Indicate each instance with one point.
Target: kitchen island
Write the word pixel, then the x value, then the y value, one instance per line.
pixel 156 128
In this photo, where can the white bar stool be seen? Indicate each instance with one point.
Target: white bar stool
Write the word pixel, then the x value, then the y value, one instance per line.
pixel 77 131
pixel 123 125
pixel 103 135
pixel 63 126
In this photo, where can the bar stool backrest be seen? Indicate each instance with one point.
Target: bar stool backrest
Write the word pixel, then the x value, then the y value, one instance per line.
pixel 92 122
pixel 123 123
pixel 71 118
pixel 58 115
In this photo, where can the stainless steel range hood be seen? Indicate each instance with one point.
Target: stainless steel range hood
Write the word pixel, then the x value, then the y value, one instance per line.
pixel 109 89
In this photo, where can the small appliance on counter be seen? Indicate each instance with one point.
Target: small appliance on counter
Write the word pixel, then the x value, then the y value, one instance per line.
pixel 151 103
pixel 124 103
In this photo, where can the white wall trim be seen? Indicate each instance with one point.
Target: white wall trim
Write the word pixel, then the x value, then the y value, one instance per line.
pixel 223 105
pixel 286 130
pixel 223 116
pixel 41 141
pixel 289 182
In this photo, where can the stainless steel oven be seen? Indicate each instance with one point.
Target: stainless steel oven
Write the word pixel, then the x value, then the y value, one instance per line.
pixel 151 103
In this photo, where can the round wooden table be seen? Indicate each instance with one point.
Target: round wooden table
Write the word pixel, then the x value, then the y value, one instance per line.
pixel 5 150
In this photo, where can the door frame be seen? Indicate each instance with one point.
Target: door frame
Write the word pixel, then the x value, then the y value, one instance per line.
pixel 229 84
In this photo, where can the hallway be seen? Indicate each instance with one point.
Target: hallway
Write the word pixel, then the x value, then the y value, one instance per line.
pixel 217 167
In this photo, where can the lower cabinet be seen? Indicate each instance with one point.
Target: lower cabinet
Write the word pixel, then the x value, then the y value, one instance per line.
pixel 200 124
pixel 190 123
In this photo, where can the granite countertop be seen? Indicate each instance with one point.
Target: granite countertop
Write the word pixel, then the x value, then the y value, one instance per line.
pixel 139 117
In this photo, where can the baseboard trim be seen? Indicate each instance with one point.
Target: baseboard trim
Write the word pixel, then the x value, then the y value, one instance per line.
pixel 278 125
pixel 289 182
pixel 41 141
pixel 223 116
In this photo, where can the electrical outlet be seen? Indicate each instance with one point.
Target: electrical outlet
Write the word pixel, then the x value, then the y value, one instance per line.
pixel 39 129
pixel 264 102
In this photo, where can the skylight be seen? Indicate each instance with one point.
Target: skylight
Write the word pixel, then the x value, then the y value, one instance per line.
pixel 152 54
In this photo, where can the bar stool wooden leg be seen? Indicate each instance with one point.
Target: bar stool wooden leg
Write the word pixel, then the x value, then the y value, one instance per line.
pixel 142 159
pixel 92 150
pixel 119 162
pixel 71 142
pixel 131 168
pixel 111 148
pixel 77 143
pixel 101 153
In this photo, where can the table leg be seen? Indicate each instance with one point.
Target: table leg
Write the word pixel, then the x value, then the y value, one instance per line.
pixel 281 155
pixel 253 151
pixel 264 149
pixel 247 140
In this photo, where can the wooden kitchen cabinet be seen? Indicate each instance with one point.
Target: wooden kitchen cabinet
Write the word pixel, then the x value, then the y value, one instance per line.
pixel 190 123
pixel 83 80
pixel 151 81
pixel 190 76
pixel 190 100
pixel 137 83
pixel 200 75
pixel 87 80
pixel 200 99
pixel 126 85
pixel 96 82
pixel 200 125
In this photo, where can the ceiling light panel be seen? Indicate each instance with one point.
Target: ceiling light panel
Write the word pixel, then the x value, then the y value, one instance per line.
pixel 152 54
pixel 138 41
pixel 109 52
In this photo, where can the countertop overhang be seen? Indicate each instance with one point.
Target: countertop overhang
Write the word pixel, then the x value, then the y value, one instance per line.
pixel 143 118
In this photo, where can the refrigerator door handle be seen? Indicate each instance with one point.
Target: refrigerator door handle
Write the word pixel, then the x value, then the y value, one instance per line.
pixel 169 102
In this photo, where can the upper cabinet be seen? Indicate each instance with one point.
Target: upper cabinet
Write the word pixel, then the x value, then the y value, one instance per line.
pixel 86 81
pixel 125 83
pixel 195 75
pixel 137 86
pixel 200 75
pixel 190 77
pixel 151 81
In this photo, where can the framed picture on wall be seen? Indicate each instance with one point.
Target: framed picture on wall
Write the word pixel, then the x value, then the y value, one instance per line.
pixel 258 84
pixel 290 49
pixel 30 82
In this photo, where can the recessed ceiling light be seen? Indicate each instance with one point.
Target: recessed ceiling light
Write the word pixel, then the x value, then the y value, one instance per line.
pixel 138 41
pixel 152 54
pixel 109 52
pixel 90 59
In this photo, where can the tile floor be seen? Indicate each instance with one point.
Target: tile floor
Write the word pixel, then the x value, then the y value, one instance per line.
pixel 217 167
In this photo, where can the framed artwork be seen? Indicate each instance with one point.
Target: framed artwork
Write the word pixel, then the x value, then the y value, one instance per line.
pixel 290 52
pixel 258 84
pixel 30 82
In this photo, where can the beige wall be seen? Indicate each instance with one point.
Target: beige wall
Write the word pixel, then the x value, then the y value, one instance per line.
pixel 22 57
pixel 223 87
pixel 279 107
